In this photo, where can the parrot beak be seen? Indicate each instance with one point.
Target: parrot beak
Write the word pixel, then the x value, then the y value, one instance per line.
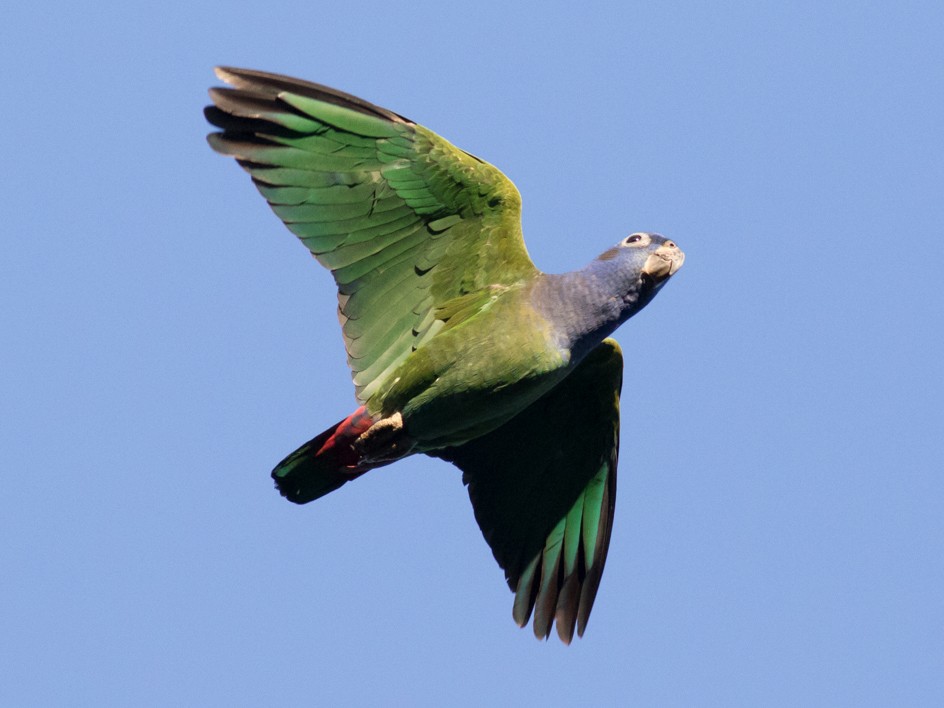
pixel 664 261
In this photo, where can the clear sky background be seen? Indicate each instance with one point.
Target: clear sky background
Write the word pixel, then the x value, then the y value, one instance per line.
pixel 164 341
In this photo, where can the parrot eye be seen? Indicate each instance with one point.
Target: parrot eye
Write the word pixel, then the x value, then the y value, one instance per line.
pixel 639 239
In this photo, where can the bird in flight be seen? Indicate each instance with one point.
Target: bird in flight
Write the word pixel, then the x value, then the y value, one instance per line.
pixel 459 347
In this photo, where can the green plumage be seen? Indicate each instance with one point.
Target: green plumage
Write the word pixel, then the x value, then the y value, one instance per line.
pixel 372 194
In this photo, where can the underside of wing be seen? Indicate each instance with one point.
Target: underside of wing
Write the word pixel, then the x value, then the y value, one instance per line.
pixel 543 488
pixel 404 220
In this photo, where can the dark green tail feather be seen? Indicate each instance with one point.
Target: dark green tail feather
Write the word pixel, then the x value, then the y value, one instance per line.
pixel 324 463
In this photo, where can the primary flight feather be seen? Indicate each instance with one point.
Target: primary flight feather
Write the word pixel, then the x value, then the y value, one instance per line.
pixel 460 348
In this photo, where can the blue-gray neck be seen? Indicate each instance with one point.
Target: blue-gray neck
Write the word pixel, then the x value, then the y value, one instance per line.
pixel 587 305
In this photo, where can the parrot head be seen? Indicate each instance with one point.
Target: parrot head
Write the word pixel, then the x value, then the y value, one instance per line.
pixel 646 262
pixel 656 256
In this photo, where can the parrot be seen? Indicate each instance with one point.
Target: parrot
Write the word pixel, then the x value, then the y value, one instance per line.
pixel 460 348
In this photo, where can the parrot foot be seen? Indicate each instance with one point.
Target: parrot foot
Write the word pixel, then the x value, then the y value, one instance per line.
pixel 384 441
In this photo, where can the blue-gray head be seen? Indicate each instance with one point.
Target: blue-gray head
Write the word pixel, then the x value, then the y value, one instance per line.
pixel 639 265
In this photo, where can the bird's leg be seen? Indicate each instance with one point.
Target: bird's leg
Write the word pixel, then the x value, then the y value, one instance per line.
pixel 384 441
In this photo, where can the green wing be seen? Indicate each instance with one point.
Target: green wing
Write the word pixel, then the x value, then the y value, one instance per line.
pixel 404 220
pixel 543 488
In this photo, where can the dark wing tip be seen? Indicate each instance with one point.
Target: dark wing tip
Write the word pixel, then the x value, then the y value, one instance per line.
pixel 567 602
pixel 268 86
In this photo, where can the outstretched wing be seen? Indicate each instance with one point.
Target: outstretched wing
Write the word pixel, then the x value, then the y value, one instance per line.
pixel 404 220
pixel 543 488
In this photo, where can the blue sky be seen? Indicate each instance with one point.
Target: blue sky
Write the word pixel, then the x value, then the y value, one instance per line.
pixel 165 341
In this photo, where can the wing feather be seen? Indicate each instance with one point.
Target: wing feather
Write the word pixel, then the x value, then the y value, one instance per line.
pixel 543 488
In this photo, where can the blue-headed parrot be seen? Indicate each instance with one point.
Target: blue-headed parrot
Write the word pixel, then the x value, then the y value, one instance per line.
pixel 460 348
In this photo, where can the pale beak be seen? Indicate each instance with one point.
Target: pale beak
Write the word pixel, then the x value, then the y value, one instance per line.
pixel 664 261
